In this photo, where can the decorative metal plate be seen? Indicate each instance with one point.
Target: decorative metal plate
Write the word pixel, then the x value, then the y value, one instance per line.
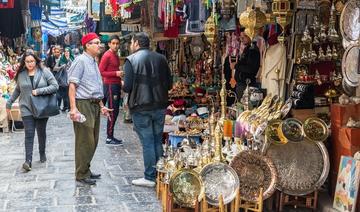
pixel 291 130
pixel 315 129
pixel 219 179
pixel 348 90
pixel 186 186
pixel 302 167
pixel 351 64
pixel 350 21
pixel 255 171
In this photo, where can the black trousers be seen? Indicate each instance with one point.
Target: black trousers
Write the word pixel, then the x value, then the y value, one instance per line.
pixel 112 97
pixel 62 96
pixel 30 124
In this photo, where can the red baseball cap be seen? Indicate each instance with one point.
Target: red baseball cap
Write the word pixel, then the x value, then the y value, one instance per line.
pixel 88 37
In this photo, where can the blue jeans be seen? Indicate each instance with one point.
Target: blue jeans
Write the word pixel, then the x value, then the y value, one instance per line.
pixel 149 126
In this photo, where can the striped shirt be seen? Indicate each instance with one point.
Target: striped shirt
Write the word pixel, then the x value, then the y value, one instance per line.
pixel 85 74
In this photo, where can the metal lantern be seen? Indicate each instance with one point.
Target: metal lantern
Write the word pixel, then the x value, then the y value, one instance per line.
pixel 210 29
pixel 252 20
pixel 283 11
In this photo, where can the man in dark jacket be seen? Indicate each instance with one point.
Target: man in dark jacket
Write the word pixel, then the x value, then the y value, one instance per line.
pixel 147 80
pixel 247 66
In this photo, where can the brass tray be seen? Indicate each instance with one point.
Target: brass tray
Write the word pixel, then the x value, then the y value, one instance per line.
pixel 302 167
pixel 350 21
pixel 219 178
pixel 255 171
pixel 186 186
pixel 271 132
pixel 291 129
pixel 350 65
pixel 315 129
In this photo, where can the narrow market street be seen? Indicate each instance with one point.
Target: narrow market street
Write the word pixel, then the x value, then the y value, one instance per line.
pixel 51 186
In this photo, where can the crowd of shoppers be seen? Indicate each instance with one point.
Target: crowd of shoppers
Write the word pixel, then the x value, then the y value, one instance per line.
pixel 90 84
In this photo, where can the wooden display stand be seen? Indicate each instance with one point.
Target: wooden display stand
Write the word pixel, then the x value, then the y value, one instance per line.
pixel 344 141
pixel 307 201
pixel 161 189
pixel 173 207
pixel 246 205
pixel 205 207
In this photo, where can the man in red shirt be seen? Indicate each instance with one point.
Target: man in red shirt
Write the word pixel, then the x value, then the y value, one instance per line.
pixel 110 71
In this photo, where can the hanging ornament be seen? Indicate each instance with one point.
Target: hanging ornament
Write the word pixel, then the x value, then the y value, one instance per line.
pixel 252 19
pixel 210 26
pixel 283 11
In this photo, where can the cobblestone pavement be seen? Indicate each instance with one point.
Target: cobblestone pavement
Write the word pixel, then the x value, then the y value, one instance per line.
pixel 52 187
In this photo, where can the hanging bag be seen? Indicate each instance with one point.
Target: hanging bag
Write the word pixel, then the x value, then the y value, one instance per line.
pixel 44 106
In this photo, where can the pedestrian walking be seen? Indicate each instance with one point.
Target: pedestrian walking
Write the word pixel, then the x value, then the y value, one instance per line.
pixel 147 80
pixel 110 71
pixel 32 80
pixel 85 95
pixel 53 57
pixel 60 70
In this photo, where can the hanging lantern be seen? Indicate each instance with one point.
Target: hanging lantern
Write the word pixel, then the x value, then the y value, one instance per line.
pixel 283 11
pixel 210 26
pixel 252 20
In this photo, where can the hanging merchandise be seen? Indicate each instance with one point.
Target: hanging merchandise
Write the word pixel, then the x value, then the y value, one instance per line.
pixel 197 17
pixel 6 4
pixel 107 23
pixel 252 20
pixel 11 22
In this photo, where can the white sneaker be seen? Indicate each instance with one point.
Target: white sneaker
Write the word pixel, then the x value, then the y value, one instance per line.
pixel 143 182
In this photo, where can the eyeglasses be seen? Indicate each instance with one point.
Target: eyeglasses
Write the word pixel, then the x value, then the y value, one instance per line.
pixel 96 43
pixel 31 61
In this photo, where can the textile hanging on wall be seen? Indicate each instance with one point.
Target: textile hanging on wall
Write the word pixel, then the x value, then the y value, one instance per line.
pixel 6 4
pixel 11 22
pixel 273 70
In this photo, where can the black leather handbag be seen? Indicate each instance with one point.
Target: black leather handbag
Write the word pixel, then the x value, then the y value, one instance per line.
pixel 44 106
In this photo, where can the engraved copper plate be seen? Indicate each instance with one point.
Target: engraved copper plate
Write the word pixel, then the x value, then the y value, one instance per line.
pixel 350 21
pixel 302 167
pixel 186 186
pixel 350 65
pixel 219 179
pixel 254 171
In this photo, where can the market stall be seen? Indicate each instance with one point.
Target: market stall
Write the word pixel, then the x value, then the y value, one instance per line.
pixel 236 140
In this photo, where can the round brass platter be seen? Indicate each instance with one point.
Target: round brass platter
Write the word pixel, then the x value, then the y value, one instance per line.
pixel 219 179
pixel 291 130
pixel 315 129
pixel 302 167
pixel 255 171
pixel 186 186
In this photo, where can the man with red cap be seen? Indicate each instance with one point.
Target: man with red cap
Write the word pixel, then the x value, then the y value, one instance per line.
pixel 85 95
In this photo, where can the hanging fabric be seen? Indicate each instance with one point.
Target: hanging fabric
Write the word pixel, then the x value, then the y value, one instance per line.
pixel 6 4
pixel 11 22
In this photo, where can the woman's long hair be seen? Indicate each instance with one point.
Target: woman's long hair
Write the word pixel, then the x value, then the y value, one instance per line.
pixel 22 66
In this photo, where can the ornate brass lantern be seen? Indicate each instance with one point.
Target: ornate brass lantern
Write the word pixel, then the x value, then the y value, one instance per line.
pixel 252 20
pixel 210 27
pixel 283 11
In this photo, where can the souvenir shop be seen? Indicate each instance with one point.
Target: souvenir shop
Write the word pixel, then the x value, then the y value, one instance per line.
pixel 264 109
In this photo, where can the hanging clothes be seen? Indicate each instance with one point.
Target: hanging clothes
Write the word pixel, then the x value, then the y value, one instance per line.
pixel 11 21
pixel 273 70
pixel 197 17
pixel 6 4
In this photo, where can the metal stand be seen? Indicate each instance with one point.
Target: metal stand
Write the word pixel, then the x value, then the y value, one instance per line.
pixel 205 207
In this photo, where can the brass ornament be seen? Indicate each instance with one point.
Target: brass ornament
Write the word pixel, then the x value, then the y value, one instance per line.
pixel 186 186
pixel 291 130
pixel 252 20
pixel 283 12
pixel 315 129
pixel 272 133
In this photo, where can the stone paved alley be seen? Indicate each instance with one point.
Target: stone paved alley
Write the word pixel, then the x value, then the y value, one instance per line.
pixel 51 186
